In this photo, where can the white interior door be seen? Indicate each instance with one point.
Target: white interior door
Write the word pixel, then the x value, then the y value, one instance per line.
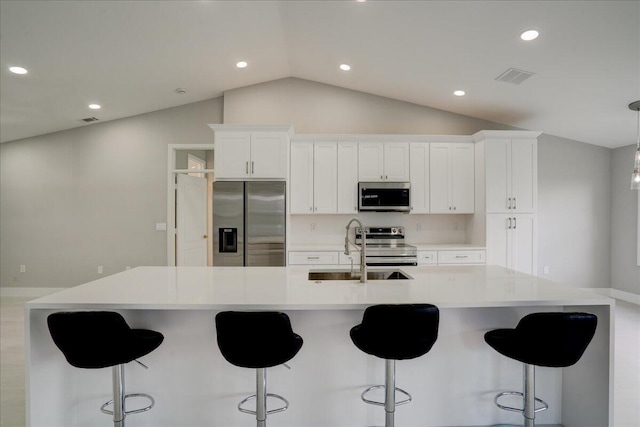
pixel 191 220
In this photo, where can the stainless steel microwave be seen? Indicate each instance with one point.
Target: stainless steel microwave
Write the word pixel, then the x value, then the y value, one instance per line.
pixel 384 196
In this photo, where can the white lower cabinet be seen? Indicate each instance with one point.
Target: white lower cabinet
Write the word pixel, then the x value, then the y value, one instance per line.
pixel 511 241
pixel 427 257
pixel 461 257
pixel 314 258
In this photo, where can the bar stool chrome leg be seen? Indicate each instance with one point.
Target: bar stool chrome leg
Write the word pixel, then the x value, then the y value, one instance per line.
pixel 119 411
pixel 528 395
pixel 118 395
pixel 261 397
pixel 389 393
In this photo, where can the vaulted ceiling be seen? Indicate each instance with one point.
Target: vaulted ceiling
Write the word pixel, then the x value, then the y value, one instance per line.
pixel 131 56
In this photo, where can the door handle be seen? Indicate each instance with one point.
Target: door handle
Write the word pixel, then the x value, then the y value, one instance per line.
pixel 205 237
pixel 252 167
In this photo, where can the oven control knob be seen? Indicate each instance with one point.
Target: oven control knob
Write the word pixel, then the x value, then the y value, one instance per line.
pixel 394 231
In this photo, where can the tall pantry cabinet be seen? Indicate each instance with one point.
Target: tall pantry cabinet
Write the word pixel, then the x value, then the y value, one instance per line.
pixel 507 191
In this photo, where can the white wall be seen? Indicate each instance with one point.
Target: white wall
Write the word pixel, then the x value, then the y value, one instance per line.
pixel 77 199
pixel 625 274
pixel 574 212
pixel 319 108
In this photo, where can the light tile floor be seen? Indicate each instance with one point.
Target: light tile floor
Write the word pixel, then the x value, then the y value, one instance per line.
pixel 12 406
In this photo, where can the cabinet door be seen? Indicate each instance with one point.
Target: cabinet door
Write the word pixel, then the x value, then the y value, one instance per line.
pixel 301 183
pixel 523 232
pixel 396 161
pixel 439 181
pixel 524 175
pixel 348 177
pixel 232 153
pixel 269 155
pixel 497 155
pixel 371 161
pixel 419 174
pixel 498 233
pixel 325 177
pixel 462 178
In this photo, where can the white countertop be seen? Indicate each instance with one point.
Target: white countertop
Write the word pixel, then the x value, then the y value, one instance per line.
pixel 419 246
pixel 287 288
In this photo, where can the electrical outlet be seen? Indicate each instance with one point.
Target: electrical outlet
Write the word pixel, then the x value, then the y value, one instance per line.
pixel 418 227
pixel 456 226
pixel 161 226
pixel 545 269
pixel 23 268
pixel 100 269
pixel 313 227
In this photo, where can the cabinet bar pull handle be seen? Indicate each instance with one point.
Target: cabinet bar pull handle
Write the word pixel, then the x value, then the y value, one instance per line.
pixel 313 257
pixel 515 223
pixel 386 177
pixel 509 224
pixel 462 256
pixel 246 167
pixel 509 207
pixel 381 176
pixel 514 203
pixel 252 166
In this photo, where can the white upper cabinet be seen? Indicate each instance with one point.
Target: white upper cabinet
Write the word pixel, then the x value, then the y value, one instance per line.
pixel 383 161
pixel 301 183
pixel 419 171
pixel 314 177
pixel 511 175
pixel 251 155
pixel 347 177
pixel 325 177
pixel 451 183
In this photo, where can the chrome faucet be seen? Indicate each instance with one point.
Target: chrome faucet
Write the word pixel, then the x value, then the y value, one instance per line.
pixel 363 250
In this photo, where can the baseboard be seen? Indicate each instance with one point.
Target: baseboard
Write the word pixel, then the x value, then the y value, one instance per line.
pixel 617 294
pixel 7 291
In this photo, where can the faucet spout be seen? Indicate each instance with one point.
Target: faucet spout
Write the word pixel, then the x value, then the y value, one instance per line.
pixel 363 247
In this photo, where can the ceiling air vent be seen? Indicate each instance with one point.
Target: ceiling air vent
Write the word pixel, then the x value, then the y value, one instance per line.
pixel 89 120
pixel 515 76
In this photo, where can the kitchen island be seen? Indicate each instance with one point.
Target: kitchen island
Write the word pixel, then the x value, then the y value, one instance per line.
pixel 453 385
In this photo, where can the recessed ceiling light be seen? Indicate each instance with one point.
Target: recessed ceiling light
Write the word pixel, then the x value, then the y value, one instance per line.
pixel 345 67
pixel 361 1
pixel 459 93
pixel 529 35
pixel 18 70
pixel 94 106
pixel 241 64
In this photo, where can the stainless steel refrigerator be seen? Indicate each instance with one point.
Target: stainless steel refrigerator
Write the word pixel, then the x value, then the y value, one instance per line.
pixel 249 223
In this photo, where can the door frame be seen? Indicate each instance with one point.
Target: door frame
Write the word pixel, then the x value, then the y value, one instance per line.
pixel 171 192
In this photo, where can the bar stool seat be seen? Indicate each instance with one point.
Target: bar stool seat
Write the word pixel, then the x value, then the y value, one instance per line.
pixel 257 340
pixel 554 340
pixel 101 339
pixel 395 332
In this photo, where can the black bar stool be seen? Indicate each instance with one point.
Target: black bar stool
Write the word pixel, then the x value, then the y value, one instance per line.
pixel 554 340
pixel 101 339
pixel 395 332
pixel 257 340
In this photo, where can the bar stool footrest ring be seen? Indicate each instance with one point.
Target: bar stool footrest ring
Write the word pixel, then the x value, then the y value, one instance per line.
pixel 374 402
pixel 269 412
pixel 133 411
pixel 544 407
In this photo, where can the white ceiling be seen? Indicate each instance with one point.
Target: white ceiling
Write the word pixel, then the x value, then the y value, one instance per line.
pixel 130 56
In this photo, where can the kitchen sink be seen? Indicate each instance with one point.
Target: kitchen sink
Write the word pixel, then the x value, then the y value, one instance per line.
pixel 347 275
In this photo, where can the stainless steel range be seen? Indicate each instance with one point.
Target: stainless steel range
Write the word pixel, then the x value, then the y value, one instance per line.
pixel 385 246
